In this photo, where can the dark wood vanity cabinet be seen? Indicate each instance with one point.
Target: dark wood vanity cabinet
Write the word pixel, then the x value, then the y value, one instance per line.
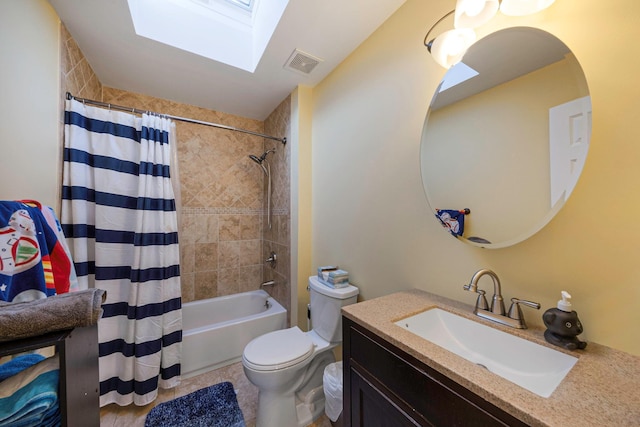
pixel 386 387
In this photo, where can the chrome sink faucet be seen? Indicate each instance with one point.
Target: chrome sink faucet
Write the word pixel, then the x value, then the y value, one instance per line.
pixel 497 312
pixel 497 303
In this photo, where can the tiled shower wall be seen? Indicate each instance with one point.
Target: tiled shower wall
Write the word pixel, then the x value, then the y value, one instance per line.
pixel 277 239
pixel 221 192
pixel 76 73
pixel 223 231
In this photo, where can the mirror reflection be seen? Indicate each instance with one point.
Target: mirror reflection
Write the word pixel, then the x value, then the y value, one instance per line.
pixel 506 136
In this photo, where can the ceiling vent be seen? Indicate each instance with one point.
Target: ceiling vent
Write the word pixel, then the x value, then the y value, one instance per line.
pixel 302 62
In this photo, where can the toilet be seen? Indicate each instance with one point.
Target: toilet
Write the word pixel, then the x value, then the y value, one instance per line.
pixel 288 365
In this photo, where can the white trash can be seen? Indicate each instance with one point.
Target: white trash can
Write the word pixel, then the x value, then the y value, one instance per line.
pixel 332 383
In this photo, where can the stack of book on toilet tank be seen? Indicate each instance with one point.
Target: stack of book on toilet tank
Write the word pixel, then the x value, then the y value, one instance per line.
pixel 333 277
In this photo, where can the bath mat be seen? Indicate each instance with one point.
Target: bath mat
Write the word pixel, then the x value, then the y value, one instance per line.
pixel 214 406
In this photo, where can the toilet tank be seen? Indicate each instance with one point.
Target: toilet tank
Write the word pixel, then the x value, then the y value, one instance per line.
pixel 326 303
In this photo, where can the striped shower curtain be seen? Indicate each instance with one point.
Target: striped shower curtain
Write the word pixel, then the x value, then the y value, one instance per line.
pixel 119 215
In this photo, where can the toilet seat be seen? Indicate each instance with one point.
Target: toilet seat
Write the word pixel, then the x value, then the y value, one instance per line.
pixel 278 350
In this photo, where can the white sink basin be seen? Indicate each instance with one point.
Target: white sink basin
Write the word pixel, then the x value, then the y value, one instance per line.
pixel 534 367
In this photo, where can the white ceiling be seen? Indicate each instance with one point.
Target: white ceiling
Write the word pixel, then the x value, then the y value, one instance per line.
pixel 328 29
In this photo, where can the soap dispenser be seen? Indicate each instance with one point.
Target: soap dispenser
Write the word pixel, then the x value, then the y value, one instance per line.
pixel 563 325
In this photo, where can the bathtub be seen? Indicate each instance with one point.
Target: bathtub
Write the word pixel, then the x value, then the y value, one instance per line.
pixel 216 330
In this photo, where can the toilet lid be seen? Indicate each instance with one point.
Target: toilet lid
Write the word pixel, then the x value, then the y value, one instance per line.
pixel 278 349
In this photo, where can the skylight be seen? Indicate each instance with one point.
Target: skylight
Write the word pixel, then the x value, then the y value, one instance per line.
pixel 457 74
pixel 232 6
pixel 243 3
pixel 234 32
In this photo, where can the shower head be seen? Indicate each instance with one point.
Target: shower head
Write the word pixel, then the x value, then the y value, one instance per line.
pixel 256 159
pixel 261 159
pixel 264 155
pixel 267 171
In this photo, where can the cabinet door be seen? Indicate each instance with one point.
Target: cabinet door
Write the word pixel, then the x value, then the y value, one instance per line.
pixel 372 408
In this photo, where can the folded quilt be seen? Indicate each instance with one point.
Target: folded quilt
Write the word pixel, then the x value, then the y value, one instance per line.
pixel 30 398
pixel 56 313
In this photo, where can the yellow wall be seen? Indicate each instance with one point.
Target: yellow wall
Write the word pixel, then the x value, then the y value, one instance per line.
pixel 29 102
pixel 369 210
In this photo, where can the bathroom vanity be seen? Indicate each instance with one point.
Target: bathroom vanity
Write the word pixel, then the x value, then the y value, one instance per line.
pixel 393 377
pixel 389 387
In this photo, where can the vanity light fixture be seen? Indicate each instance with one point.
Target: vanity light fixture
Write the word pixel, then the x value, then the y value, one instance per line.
pixel 449 47
pixel 523 7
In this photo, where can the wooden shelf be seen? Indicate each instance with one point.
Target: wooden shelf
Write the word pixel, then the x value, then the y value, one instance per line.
pixel 33 343
pixel 79 392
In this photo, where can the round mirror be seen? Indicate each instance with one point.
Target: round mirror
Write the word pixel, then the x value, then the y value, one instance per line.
pixel 506 137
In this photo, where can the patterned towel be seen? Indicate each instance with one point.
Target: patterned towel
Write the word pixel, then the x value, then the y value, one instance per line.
pixel 452 220
pixel 33 262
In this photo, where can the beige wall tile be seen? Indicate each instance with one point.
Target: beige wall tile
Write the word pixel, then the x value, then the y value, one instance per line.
pixel 229 227
pixel 250 253
pixel 205 285
pixel 250 227
pixel 228 281
pixel 206 256
pixel 187 258
pixel 249 278
pixel 229 254
pixel 187 286
pixel 207 229
pixel 189 231
pixel 77 76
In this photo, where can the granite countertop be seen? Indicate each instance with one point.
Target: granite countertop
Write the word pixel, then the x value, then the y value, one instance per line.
pixel 602 389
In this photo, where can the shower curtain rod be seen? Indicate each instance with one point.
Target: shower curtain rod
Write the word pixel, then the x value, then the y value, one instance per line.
pixel 181 119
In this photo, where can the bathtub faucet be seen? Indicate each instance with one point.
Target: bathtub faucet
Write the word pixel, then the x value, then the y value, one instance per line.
pixel 267 283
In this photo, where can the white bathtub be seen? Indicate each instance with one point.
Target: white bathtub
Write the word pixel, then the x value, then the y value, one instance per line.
pixel 216 330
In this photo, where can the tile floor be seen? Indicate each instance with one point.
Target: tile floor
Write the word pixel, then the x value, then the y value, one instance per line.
pixel 134 416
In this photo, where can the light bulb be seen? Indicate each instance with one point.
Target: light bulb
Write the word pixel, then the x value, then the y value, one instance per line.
pixel 473 7
pixel 523 7
pixel 449 47
pixel 473 13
